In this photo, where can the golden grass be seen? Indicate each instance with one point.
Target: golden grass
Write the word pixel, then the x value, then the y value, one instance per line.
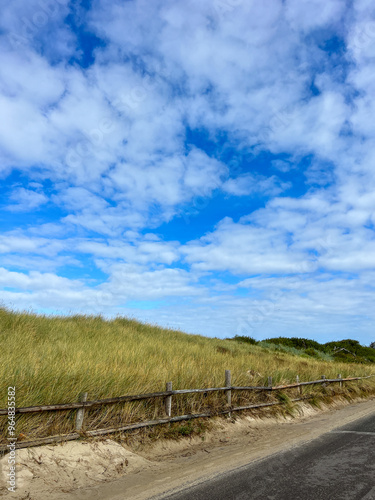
pixel 53 359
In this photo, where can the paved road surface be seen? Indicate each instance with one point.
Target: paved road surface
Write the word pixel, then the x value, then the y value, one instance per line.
pixel 340 465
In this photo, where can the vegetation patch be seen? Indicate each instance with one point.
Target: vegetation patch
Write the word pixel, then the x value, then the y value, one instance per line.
pixel 345 351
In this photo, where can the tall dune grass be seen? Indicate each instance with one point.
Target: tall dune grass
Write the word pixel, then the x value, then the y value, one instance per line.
pixel 53 359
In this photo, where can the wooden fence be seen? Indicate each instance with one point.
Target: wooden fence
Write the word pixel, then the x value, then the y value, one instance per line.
pixel 82 405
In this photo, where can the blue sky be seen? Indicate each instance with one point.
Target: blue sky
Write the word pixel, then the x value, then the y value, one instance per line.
pixel 207 166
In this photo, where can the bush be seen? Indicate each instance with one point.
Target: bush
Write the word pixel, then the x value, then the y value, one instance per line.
pixel 297 343
pixel 312 352
pixel 244 338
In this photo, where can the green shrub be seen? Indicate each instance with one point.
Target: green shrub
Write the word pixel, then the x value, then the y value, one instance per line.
pixel 244 338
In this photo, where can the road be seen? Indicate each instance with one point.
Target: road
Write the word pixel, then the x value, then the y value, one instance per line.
pixel 339 465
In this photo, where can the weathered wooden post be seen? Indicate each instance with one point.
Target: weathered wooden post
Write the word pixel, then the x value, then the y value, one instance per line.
pixel 339 376
pixel 228 383
pixel 269 381
pixel 81 411
pixel 323 378
pixel 168 400
pixel 299 387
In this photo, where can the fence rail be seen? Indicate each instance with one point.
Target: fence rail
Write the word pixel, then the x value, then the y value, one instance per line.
pixel 83 404
pixel 136 397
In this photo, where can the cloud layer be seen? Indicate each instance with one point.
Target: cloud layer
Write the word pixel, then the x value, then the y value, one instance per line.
pixel 208 166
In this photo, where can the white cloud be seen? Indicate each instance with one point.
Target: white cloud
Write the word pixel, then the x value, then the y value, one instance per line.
pixel 17 242
pixel 131 282
pixel 35 281
pixel 141 252
pixel 244 248
pixel 249 184
pixel 170 180
pixel 26 200
pixel 314 14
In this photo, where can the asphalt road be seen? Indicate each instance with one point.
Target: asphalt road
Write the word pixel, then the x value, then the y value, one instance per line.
pixel 340 465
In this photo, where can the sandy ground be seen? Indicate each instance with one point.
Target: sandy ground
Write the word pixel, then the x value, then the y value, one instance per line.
pixel 108 471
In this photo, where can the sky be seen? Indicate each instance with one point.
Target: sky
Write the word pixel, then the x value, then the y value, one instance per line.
pixel 206 166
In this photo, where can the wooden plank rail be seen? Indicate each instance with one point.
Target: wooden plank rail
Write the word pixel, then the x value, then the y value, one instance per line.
pixel 137 397
pixel 122 399
pixel 99 402
pixel 321 381
pixel 100 432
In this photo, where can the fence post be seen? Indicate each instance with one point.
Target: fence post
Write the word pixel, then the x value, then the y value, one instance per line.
pixel 228 383
pixel 269 381
pixel 81 411
pixel 323 378
pixel 299 388
pixel 168 400
pixel 339 376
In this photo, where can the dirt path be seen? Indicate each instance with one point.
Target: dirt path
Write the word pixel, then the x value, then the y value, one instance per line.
pixel 171 465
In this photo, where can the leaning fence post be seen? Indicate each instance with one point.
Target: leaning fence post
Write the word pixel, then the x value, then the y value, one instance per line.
pixel 339 376
pixel 323 378
pixel 228 383
pixel 81 411
pixel 168 400
pixel 299 387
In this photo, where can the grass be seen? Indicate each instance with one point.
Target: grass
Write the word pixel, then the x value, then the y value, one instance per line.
pixel 53 359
